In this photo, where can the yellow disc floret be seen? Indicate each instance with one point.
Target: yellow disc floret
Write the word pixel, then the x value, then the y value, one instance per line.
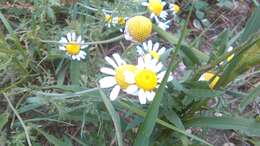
pixel 72 48
pixel 155 6
pixel 176 8
pixel 208 76
pixel 154 54
pixel 108 18
pixel 121 20
pixel 120 74
pixel 139 28
pixel 146 79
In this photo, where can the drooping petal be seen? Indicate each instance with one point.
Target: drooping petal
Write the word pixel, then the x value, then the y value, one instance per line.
pixel 79 39
pixel 108 71
pixel 132 89
pixel 140 62
pixel 150 95
pixel 140 50
pixel 111 62
pixel 145 46
pixel 107 82
pixel 141 96
pixel 114 93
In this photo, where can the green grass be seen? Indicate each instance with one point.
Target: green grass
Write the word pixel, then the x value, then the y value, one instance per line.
pixel 46 98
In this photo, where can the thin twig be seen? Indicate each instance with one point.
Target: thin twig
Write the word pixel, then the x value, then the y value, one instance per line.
pixel 20 119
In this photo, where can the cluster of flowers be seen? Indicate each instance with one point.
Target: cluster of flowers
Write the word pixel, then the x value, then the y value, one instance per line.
pixel 160 12
pixel 143 78
pixel 138 80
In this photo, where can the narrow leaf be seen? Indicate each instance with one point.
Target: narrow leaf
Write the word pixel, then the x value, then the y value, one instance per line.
pixel 250 98
pixel 114 116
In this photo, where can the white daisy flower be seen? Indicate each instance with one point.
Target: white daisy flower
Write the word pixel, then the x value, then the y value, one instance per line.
pixel 147 78
pixel 153 49
pixel 109 20
pixel 116 75
pixel 229 49
pixel 157 9
pixel 72 46
pixel 174 8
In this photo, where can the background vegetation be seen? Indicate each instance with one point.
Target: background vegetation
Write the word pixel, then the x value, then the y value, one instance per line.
pixel 46 99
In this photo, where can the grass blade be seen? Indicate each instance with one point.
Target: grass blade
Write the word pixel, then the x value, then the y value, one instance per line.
pixel 114 116
pixel 250 126
pixel 250 98
pixel 146 129
pixel 140 112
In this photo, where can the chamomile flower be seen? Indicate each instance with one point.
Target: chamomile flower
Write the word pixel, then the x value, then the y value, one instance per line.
pixel 71 44
pixel 230 57
pixel 109 20
pixel 152 49
pixel 116 75
pixel 156 8
pixel 147 78
pixel 209 76
pixel 174 8
pixel 138 28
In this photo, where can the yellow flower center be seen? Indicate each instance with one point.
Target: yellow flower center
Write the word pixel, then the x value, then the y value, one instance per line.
pixel 230 58
pixel 120 74
pixel 155 6
pixel 121 20
pixel 154 54
pixel 176 8
pixel 108 18
pixel 208 76
pixel 139 28
pixel 146 79
pixel 73 48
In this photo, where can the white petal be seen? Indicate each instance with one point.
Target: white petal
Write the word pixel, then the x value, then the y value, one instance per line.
pixel 107 82
pixel 150 45
pixel 73 36
pixel 230 48
pixel 170 78
pixel 202 78
pixel 160 76
pixel 141 96
pixel 145 3
pixel 111 62
pixel 78 57
pixel 114 93
pixel 161 51
pixel 132 89
pixel 118 59
pixel 147 59
pixel 63 41
pixel 79 39
pixel 150 95
pixel 62 48
pixel 145 46
pixel 108 71
pixel 69 37
pixel 140 62
pixel 74 57
pixel 83 53
pixel 156 46
pixel 158 67
pixel 129 77
pixel 140 50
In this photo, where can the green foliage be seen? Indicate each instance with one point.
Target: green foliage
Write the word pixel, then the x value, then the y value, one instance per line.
pixel 60 103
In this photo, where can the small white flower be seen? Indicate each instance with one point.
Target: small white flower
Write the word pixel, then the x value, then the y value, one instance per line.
pixel 147 78
pixel 72 46
pixel 116 75
pixel 153 49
